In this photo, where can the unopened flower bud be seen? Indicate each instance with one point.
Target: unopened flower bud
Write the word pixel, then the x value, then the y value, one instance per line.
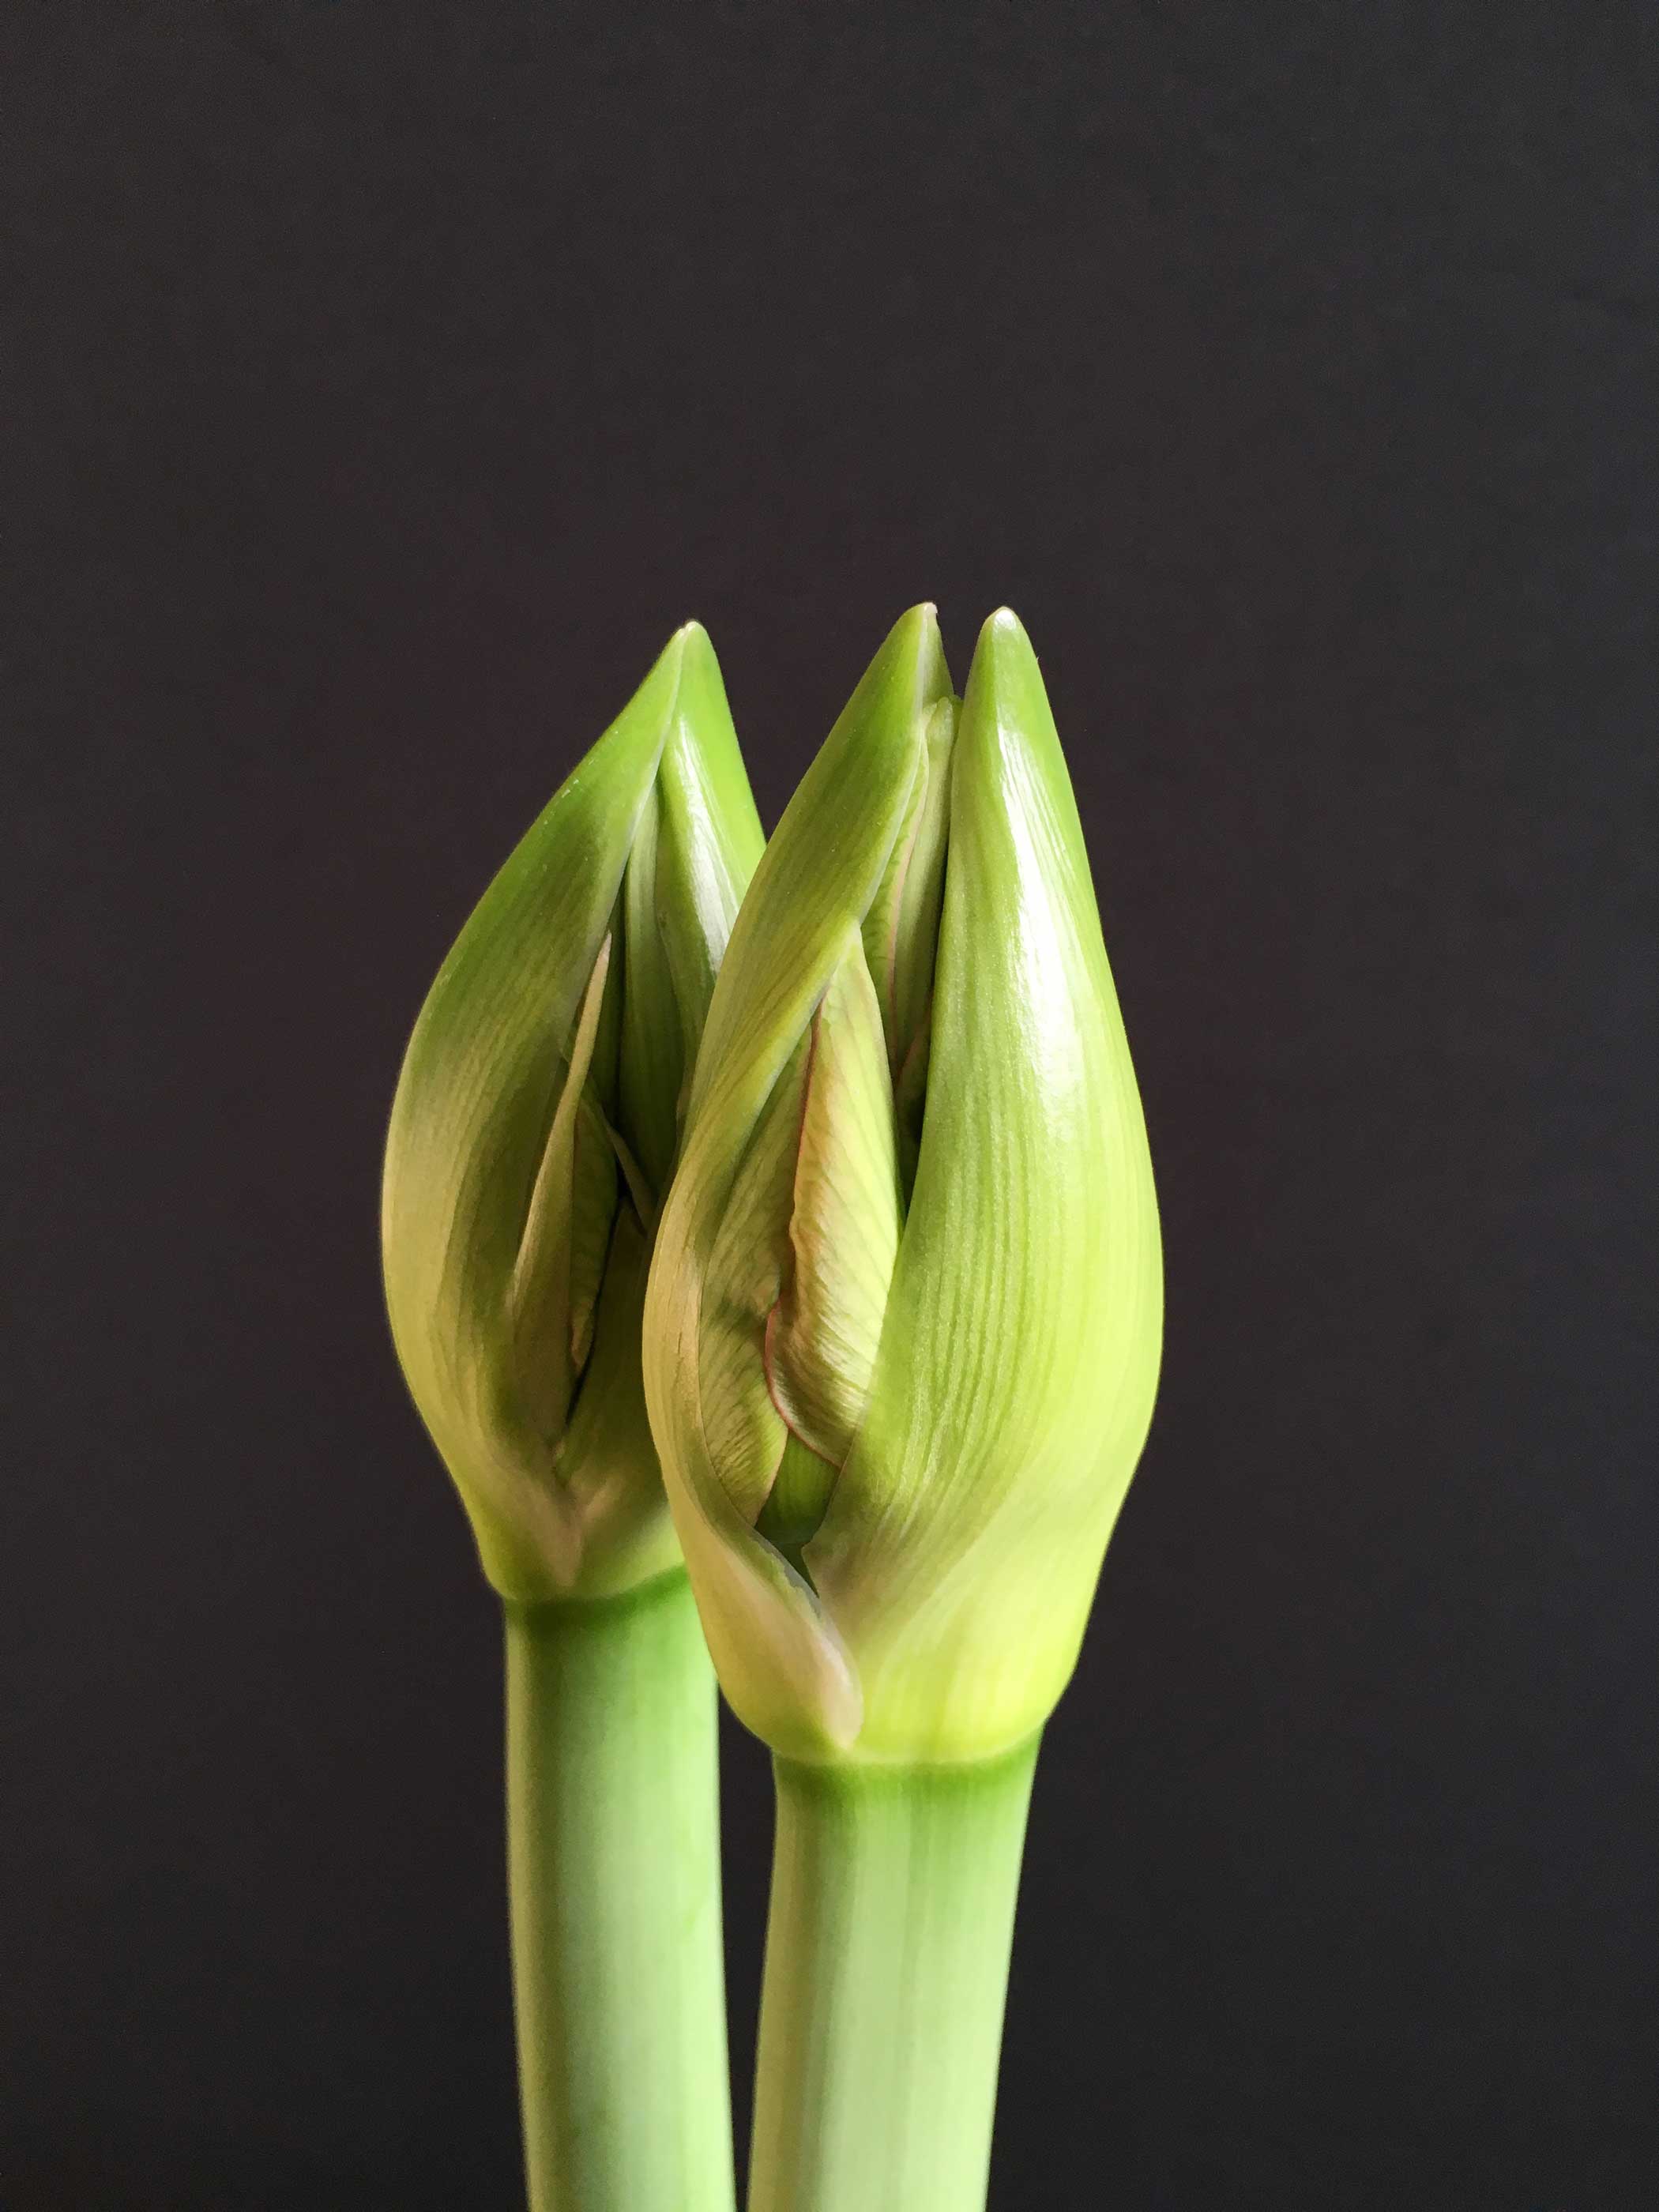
pixel 535 1129
pixel 902 1335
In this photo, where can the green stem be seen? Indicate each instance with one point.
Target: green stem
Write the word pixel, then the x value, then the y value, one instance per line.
pixel 886 1973
pixel 613 1860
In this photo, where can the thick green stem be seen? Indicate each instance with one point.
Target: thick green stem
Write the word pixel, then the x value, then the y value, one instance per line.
pixel 613 1856
pixel 886 1973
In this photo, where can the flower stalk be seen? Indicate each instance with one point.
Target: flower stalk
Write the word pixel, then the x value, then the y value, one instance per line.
pixel 533 1137
pixel 617 1966
pixel 887 1951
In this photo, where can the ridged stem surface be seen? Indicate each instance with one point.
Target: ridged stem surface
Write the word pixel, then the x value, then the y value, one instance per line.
pixel 614 1874
pixel 887 1953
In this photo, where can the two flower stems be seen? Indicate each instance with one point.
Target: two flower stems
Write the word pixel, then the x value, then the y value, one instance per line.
pixel 887 1946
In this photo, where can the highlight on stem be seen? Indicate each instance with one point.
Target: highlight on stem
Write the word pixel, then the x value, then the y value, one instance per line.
pixel 901 1340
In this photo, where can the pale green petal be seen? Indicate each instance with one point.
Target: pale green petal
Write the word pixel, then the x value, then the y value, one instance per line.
pixel 901 930
pixel 709 839
pixel 818 877
pixel 555 1278
pixel 797 1281
pixel 592 1210
pixel 780 1661
pixel 618 1533
pixel 909 1104
pixel 652 1061
pixel 694 851
pixel 822 1341
pixel 745 1432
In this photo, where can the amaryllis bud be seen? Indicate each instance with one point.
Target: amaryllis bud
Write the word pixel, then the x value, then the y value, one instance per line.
pixel 535 1129
pixel 902 1335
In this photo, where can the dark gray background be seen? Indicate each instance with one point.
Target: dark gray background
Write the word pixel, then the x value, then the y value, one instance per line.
pixel 383 383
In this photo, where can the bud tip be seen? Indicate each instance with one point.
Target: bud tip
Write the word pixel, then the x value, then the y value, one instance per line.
pixel 1003 628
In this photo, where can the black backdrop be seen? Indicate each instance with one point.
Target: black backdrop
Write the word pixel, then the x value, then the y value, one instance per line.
pixel 386 381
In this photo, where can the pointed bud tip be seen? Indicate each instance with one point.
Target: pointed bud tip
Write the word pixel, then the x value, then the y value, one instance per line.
pixel 1004 662
pixel 914 641
pixel 1003 633
pixel 691 645
pixel 689 654
pixel 917 629
pixel 1006 712
pixel 906 676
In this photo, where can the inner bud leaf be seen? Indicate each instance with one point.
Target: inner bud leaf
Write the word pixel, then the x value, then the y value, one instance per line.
pixel 823 1335
pixel 555 1280
pixel 797 1285
pixel 901 929
pixel 652 1061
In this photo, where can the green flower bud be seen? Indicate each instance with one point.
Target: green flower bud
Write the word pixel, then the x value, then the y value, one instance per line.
pixel 535 1129
pixel 902 1328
